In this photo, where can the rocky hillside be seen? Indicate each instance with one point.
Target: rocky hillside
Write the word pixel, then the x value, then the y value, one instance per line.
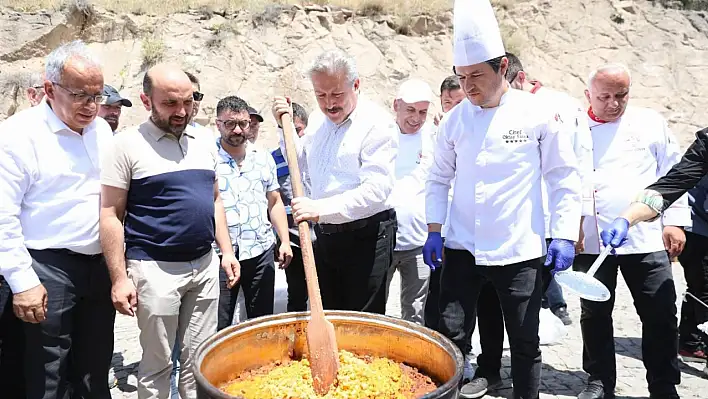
pixel 259 54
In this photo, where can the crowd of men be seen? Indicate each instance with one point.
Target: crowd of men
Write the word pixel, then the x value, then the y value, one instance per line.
pixel 476 208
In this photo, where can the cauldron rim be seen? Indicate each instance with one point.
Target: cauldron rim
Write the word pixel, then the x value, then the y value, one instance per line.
pixel 332 315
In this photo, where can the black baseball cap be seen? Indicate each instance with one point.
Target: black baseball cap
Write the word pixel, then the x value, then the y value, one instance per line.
pixel 252 111
pixel 111 96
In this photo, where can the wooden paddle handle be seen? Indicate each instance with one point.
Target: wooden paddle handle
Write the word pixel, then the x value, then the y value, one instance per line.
pixel 308 258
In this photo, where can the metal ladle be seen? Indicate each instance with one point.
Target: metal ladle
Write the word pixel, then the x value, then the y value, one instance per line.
pixel 585 285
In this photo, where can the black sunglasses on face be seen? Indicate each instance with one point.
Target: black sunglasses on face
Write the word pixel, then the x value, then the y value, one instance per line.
pixel 197 96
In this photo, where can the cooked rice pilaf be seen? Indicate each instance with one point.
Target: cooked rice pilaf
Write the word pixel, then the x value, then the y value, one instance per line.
pixel 359 377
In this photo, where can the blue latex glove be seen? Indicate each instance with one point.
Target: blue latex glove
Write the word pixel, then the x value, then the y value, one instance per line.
pixel 432 250
pixel 560 255
pixel 616 235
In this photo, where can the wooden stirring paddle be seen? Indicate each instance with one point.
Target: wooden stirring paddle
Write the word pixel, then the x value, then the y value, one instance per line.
pixel 321 342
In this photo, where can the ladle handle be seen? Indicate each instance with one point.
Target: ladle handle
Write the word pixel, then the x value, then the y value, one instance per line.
pixel 598 262
pixel 308 258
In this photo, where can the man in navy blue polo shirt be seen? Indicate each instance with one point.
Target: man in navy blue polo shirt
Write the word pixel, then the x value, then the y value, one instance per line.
pixel 163 180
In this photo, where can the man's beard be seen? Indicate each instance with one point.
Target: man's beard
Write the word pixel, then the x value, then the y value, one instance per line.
pixel 165 125
pixel 113 123
pixel 234 140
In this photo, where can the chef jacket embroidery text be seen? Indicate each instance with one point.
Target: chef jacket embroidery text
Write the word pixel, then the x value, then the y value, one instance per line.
pixel 515 136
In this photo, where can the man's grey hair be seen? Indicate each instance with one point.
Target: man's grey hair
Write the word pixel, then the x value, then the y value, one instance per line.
pixel 35 79
pixel 56 60
pixel 615 67
pixel 333 62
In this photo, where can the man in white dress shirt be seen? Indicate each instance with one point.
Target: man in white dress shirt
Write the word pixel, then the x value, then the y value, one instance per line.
pixel 632 147
pixel 347 158
pixel 50 253
pixel 12 336
pixel 415 154
pixel 501 142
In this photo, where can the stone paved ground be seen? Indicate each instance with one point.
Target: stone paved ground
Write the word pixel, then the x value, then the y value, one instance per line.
pixel 562 372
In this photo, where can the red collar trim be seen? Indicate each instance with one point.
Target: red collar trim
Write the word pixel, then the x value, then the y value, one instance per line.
pixel 594 117
pixel 536 85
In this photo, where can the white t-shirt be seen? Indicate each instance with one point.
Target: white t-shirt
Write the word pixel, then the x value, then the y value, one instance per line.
pixel 415 152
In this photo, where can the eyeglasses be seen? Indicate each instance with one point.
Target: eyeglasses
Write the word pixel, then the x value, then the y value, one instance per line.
pixel 82 97
pixel 231 124
pixel 197 96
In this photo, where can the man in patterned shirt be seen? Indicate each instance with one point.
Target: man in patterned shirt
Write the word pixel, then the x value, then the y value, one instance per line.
pixel 248 184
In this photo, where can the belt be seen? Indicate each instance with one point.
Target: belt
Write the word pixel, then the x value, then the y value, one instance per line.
pixel 64 251
pixel 357 224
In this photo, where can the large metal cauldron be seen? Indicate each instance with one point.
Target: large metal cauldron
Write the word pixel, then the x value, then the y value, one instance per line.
pixel 225 355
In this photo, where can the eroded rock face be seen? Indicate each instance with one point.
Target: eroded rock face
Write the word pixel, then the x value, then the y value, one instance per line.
pixel 259 56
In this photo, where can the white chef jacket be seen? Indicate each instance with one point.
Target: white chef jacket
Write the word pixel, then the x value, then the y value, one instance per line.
pixel 628 155
pixel 497 156
pixel 415 155
pixel 445 226
pixel 348 169
pixel 49 189
pixel 573 113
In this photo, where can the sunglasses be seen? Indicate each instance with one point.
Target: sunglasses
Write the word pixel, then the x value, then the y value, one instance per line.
pixel 197 96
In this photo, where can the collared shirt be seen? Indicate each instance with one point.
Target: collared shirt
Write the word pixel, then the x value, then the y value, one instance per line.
pixel 628 155
pixel 500 154
pixel 415 155
pixel 170 183
pixel 49 190
pixel 572 113
pixel 348 168
pixel 244 194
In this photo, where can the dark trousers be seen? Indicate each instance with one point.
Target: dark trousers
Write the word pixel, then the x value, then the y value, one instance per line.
pixel 490 321
pixel 258 283
pixel 432 309
pixel 353 268
pixel 69 354
pixel 12 345
pixel 432 306
pixel 432 303
pixel 553 297
pixel 518 287
pixel 649 279
pixel 694 260
pixel 297 284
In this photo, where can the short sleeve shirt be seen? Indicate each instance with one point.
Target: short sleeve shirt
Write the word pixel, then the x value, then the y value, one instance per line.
pixel 170 184
pixel 243 192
